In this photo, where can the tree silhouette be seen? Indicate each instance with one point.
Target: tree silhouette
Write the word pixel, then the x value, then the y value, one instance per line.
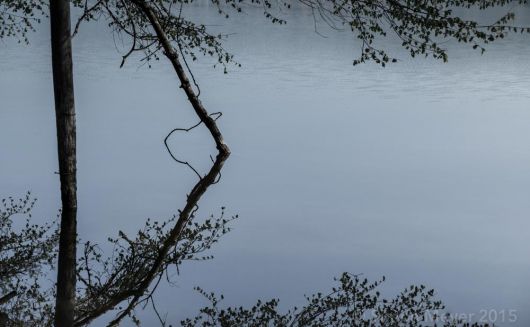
pixel 120 281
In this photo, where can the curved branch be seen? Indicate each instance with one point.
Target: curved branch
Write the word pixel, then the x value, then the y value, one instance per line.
pixel 172 55
pixel 194 196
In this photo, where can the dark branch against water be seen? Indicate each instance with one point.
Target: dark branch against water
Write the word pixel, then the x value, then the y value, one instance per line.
pixel 139 290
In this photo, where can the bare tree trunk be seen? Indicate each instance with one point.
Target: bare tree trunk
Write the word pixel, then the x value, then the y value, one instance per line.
pixel 66 142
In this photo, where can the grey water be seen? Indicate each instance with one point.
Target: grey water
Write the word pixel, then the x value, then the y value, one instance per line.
pixel 419 171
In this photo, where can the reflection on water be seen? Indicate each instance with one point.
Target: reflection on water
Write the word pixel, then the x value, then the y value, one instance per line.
pixel 418 171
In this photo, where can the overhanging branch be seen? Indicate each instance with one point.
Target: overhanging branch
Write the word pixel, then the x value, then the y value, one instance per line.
pixel 137 295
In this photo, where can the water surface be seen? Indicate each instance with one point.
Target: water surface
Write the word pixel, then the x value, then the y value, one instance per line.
pixel 418 172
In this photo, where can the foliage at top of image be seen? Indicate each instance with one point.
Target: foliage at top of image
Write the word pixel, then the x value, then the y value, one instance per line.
pixel 421 26
pixel 19 17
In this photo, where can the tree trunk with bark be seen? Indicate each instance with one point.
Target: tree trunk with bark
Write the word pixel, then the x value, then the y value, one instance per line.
pixel 66 142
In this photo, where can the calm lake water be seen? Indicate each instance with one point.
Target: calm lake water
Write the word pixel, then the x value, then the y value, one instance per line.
pixel 419 172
